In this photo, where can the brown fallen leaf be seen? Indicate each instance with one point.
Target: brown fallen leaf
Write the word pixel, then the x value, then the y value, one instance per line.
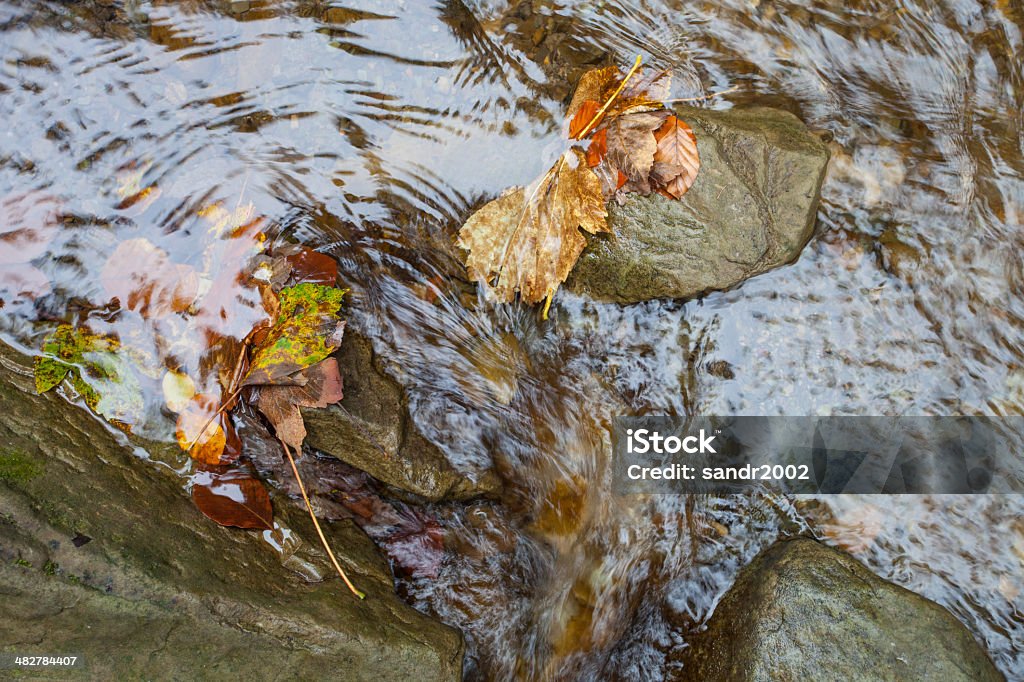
pixel 280 404
pixel 640 94
pixel 595 85
pixel 210 435
pixel 233 498
pixel 676 161
pixel 142 277
pixel 528 243
pixel 312 266
pixel 632 146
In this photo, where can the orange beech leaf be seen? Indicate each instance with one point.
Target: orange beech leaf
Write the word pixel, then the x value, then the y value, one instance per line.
pixel 676 161
pixel 598 148
pixel 233 498
pixel 210 445
pixel 583 117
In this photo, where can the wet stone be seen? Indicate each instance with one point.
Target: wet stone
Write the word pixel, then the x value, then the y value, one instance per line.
pixel 372 430
pixel 801 603
pixel 751 209
pixel 103 553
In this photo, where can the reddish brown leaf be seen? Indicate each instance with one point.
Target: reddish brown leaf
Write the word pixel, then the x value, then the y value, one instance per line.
pixel 280 404
pixel 233 498
pixel 632 146
pixel 598 148
pixel 312 266
pixel 587 111
pixel 676 162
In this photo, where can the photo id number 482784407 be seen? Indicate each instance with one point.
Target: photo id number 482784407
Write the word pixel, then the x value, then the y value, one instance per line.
pixel 14 661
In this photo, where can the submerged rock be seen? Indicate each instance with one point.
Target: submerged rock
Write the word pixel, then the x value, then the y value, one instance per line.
pixel 804 611
pixel 371 429
pixel 102 554
pixel 751 209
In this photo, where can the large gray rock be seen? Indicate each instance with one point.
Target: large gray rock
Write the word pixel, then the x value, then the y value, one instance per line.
pixel 371 429
pixel 803 611
pixel 751 209
pixel 161 592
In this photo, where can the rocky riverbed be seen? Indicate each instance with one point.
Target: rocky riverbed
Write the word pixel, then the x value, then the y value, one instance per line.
pixel 370 132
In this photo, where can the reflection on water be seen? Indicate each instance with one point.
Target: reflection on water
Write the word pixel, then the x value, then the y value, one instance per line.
pixel 371 129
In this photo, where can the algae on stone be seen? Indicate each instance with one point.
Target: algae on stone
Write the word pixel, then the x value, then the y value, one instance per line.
pixel 159 592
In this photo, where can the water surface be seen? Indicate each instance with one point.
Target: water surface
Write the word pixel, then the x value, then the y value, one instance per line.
pixel 371 129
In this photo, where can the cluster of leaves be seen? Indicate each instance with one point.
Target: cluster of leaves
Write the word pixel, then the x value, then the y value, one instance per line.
pixel 282 365
pixel 249 326
pixel 622 140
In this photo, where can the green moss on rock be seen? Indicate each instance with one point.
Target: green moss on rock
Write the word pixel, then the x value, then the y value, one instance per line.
pixel 18 468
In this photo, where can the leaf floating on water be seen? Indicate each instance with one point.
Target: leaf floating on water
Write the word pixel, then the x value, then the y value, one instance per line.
pixel 143 279
pixel 676 162
pixel 307 329
pixel 314 267
pixel 102 376
pixel 178 389
pixel 529 244
pixel 233 498
pixel 204 433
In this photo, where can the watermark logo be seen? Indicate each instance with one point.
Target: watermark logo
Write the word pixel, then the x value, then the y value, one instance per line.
pixel 831 455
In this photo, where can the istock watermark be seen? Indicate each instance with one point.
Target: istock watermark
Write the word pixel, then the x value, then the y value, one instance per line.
pixel 891 455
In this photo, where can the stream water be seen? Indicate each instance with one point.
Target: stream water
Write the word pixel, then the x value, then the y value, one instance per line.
pixel 370 130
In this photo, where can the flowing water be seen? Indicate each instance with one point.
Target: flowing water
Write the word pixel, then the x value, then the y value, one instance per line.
pixel 371 129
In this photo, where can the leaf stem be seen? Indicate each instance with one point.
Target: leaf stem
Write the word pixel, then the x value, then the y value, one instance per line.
pixel 547 305
pixel 220 410
pixel 316 524
pixel 702 98
pixel 600 112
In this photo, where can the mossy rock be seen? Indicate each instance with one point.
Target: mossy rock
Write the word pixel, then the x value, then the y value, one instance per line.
pixel 102 553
